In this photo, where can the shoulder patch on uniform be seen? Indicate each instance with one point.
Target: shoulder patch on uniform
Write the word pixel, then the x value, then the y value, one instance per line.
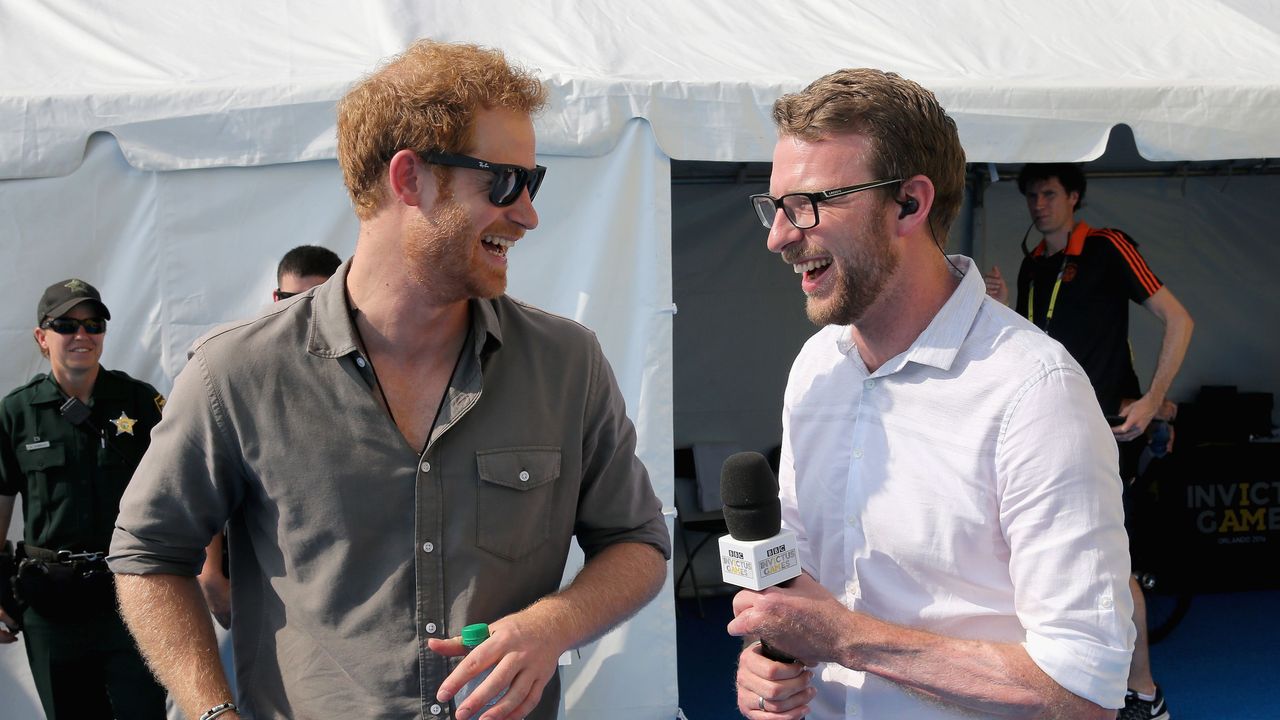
pixel 39 377
pixel 159 400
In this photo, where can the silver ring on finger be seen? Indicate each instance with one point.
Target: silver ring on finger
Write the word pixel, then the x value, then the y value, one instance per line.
pixel 760 704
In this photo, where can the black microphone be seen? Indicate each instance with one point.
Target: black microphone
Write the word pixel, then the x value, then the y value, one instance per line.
pixel 757 553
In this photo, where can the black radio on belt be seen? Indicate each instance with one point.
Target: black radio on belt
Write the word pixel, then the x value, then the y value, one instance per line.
pixel 76 412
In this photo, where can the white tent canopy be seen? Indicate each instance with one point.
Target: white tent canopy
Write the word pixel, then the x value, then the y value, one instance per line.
pixel 221 147
pixel 189 85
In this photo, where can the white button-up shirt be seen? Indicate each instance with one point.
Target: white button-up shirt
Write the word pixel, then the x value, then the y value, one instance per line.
pixel 969 488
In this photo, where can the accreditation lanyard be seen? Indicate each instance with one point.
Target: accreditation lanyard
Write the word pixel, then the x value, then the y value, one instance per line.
pixel 1074 246
pixel 1053 296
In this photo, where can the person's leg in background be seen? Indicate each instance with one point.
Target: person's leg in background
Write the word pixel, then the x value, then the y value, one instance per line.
pixel 134 691
pixel 68 681
pixel 1140 668
pixel 1144 700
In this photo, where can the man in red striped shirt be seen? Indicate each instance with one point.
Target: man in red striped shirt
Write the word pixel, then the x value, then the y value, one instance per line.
pixel 1076 284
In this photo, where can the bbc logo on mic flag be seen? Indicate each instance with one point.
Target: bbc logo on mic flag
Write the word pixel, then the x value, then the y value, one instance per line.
pixel 758 564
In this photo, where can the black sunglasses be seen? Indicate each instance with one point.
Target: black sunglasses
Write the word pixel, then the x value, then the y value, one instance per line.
pixel 279 294
pixel 68 325
pixel 801 208
pixel 508 180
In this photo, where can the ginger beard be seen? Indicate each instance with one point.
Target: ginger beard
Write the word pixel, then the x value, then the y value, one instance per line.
pixel 444 254
pixel 853 281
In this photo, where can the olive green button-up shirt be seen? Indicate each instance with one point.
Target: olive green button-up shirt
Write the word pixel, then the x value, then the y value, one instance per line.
pixel 348 547
pixel 71 478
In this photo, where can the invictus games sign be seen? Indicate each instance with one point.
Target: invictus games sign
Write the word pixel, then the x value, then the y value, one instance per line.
pixel 1236 511
pixel 1216 525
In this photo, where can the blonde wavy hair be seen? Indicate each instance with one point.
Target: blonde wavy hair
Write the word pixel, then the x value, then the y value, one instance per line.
pixel 910 133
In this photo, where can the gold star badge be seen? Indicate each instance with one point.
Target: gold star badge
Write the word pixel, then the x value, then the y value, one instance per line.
pixel 75 285
pixel 124 424
pixel 159 401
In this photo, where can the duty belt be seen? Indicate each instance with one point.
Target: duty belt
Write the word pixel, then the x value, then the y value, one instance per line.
pixel 66 557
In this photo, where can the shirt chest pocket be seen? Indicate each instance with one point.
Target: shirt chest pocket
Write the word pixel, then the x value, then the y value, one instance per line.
pixel 43 467
pixel 515 499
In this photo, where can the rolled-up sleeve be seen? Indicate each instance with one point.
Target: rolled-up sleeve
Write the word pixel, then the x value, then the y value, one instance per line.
pixel 617 503
pixel 1061 512
pixel 184 488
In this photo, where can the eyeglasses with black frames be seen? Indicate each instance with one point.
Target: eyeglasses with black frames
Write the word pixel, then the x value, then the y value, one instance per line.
pixel 801 208
pixel 279 294
pixel 69 325
pixel 508 180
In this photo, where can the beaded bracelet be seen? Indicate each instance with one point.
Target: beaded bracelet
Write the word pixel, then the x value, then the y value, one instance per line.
pixel 217 710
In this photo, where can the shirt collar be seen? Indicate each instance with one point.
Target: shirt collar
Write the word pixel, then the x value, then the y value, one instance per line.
pixel 105 386
pixel 940 342
pixel 47 391
pixel 1075 242
pixel 332 331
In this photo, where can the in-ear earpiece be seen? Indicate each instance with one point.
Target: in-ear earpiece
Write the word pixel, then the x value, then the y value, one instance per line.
pixel 909 206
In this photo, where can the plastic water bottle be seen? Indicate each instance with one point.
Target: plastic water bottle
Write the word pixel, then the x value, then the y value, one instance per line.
pixel 1159 437
pixel 472 636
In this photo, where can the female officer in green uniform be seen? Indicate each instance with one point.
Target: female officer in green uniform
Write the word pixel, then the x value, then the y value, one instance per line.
pixel 69 442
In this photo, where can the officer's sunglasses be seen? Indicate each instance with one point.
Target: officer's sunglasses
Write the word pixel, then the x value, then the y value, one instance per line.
pixel 508 180
pixel 69 325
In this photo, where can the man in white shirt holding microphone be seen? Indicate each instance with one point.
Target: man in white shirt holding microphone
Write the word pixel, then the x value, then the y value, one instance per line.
pixel 945 467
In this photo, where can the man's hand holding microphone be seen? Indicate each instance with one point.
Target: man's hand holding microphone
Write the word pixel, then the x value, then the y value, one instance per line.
pixel 761 557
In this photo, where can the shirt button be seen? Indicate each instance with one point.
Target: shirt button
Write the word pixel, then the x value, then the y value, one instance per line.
pixel 1105 603
pixel 868 384
pixel 426 466
pixel 857 453
pixel 430 628
pixel 524 476
pixel 435 709
pixel 360 361
pixel 852 521
pixel 428 547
